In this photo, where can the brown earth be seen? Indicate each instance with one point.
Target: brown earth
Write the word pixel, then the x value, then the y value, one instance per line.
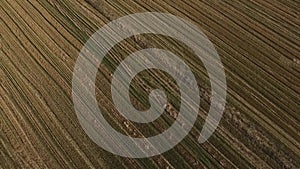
pixel 258 42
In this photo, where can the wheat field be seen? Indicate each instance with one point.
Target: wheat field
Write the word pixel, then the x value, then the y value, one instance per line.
pixel 257 41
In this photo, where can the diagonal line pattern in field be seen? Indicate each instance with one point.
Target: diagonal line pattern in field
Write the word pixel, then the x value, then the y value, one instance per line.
pixel 258 42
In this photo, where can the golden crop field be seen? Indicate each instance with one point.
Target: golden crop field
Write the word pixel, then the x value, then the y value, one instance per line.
pixel 258 43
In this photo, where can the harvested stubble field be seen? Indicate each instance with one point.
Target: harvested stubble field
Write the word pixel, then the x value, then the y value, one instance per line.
pixel 259 45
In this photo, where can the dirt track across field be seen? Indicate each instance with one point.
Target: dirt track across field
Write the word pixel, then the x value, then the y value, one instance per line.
pixel 259 45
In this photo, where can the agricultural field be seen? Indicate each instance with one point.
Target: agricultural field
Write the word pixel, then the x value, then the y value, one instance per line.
pixel 258 43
